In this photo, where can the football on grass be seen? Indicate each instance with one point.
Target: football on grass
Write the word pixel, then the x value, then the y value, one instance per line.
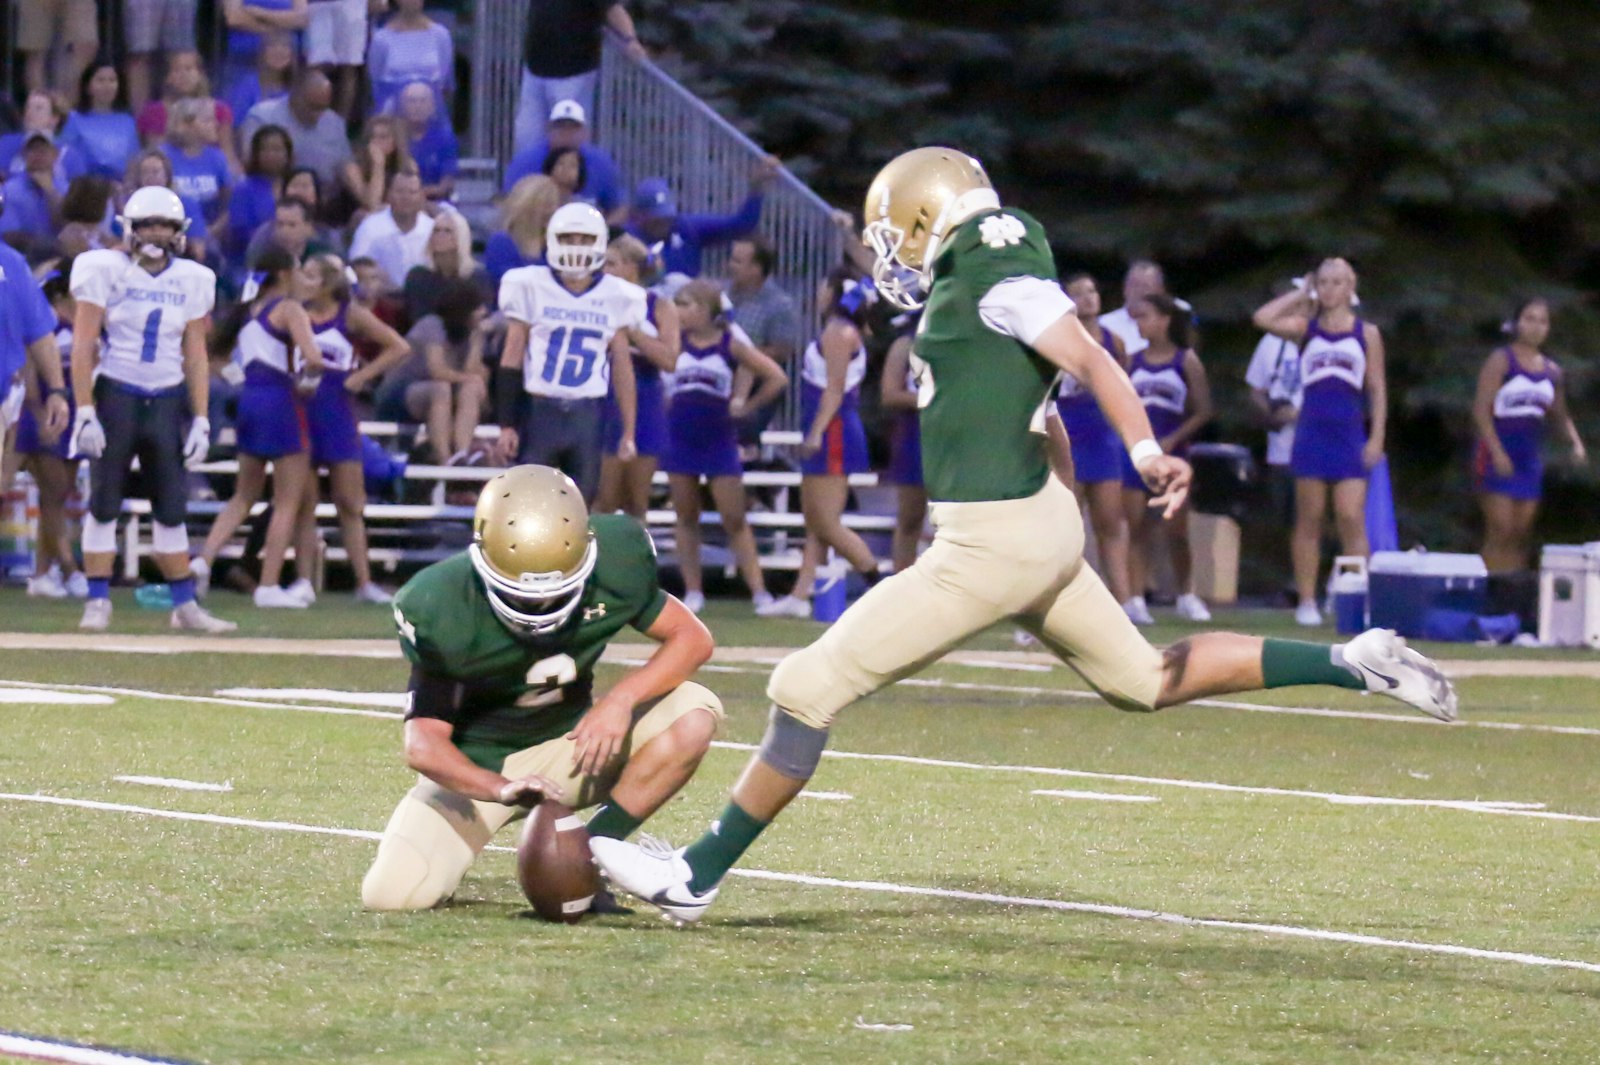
pixel 553 863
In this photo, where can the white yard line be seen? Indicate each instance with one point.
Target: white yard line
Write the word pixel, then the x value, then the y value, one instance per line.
pixel 35 1048
pixel 1482 806
pixel 47 697
pixel 174 783
pixel 1099 796
pixel 1059 905
pixel 387 700
pixel 834 796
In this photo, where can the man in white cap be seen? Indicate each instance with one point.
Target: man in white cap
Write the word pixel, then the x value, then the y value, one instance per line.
pixel 561 57
pixel 569 128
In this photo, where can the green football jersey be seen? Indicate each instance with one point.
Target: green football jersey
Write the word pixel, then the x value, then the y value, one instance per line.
pixel 980 390
pixel 514 692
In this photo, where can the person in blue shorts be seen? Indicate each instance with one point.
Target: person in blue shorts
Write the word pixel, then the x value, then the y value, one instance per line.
pixel 702 440
pixel 1097 452
pixel 1339 435
pixel 625 483
pixel 43 449
pixel 898 393
pixel 274 339
pixel 835 443
pixel 1172 385
pixel 1520 391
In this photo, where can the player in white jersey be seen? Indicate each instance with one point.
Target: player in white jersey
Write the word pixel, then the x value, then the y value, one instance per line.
pixel 566 346
pixel 151 308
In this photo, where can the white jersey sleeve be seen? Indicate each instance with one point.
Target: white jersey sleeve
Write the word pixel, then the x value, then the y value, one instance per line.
pixel 517 299
pixel 200 288
pixel 94 275
pixel 1024 307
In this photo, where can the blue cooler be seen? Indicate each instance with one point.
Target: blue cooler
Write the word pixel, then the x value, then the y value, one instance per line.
pixel 1347 586
pixel 829 595
pixel 1433 596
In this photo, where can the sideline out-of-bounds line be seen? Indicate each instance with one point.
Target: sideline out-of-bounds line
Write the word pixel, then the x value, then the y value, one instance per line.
pixel 884 887
pixel 1485 806
pixel 38 1048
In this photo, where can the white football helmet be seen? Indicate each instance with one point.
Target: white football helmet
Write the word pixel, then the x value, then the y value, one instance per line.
pixel 154 203
pixel 576 258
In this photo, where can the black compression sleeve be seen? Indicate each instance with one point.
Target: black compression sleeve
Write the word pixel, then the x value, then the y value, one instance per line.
pixel 432 696
pixel 507 391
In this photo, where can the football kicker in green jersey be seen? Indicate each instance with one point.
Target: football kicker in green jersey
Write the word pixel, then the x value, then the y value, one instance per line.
pixel 979 390
pixel 517 692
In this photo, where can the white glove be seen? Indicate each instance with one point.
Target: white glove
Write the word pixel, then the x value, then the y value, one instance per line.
pixel 199 442
pixel 11 408
pixel 88 435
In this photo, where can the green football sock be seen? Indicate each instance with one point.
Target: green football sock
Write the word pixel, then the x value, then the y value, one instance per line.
pixel 713 854
pixel 1286 663
pixel 613 822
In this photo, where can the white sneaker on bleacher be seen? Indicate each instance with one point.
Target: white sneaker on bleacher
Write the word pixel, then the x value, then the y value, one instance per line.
pixel 303 591
pixel 695 601
pixel 788 606
pixel 1307 614
pixel 47 585
pixel 1138 612
pixel 272 597
pixel 371 593
pixel 1192 608
pixel 200 570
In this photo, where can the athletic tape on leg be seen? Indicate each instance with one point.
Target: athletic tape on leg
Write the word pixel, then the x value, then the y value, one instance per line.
pixel 99 537
pixel 169 539
pixel 791 746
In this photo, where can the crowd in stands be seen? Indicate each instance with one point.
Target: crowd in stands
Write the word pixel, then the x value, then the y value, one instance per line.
pixel 317 165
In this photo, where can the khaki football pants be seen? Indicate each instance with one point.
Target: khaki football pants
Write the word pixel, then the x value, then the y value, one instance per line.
pixel 435 834
pixel 1018 559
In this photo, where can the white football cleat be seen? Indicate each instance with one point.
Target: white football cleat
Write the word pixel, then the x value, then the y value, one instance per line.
pixel 1192 608
pixel 96 615
pixel 653 872
pixel 371 593
pixel 194 618
pixel 1390 668
pixel 200 570
pixel 78 585
pixel 788 606
pixel 1138 612
pixel 304 591
pixel 1307 614
pixel 272 597
pixel 695 601
pixel 47 585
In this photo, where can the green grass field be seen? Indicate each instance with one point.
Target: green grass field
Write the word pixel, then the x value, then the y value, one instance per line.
pixel 1359 888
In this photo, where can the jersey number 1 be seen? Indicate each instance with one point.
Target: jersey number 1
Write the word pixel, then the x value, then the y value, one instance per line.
pixel 571 368
pixel 152 333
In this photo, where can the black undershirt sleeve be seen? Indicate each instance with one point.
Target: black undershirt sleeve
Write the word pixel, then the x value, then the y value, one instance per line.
pixel 433 696
pixel 507 392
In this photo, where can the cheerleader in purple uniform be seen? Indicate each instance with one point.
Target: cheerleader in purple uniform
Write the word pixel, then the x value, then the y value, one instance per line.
pixel 625 483
pixel 898 393
pixel 1342 374
pixel 1097 452
pixel 56 572
pixel 1520 389
pixel 701 437
pixel 273 336
pixel 835 443
pixel 336 324
pixel 1171 381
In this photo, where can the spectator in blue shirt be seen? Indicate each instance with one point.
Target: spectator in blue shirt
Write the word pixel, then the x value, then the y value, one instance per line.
pixel 199 169
pixel 152 167
pixel 255 197
pixel 41 114
pixel 678 240
pixel 434 147
pixel 270 79
pixel 27 331
pixel 249 20
pixel 33 195
pixel 101 130
pixel 568 128
pixel 524 214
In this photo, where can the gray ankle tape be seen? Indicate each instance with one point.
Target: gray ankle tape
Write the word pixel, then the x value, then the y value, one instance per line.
pixel 792 747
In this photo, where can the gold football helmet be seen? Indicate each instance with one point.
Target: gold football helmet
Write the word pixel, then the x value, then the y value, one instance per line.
pixel 532 546
pixel 913 203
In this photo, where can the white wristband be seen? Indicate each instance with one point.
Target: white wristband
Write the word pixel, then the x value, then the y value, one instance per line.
pixel 1143 451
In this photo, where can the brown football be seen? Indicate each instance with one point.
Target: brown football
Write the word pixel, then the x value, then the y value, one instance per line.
pixel 553 863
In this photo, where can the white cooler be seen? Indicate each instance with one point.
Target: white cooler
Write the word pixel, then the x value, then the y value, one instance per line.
pixel 1569 595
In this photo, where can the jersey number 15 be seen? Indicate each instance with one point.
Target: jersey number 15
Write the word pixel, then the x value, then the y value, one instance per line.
pixel 571 367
